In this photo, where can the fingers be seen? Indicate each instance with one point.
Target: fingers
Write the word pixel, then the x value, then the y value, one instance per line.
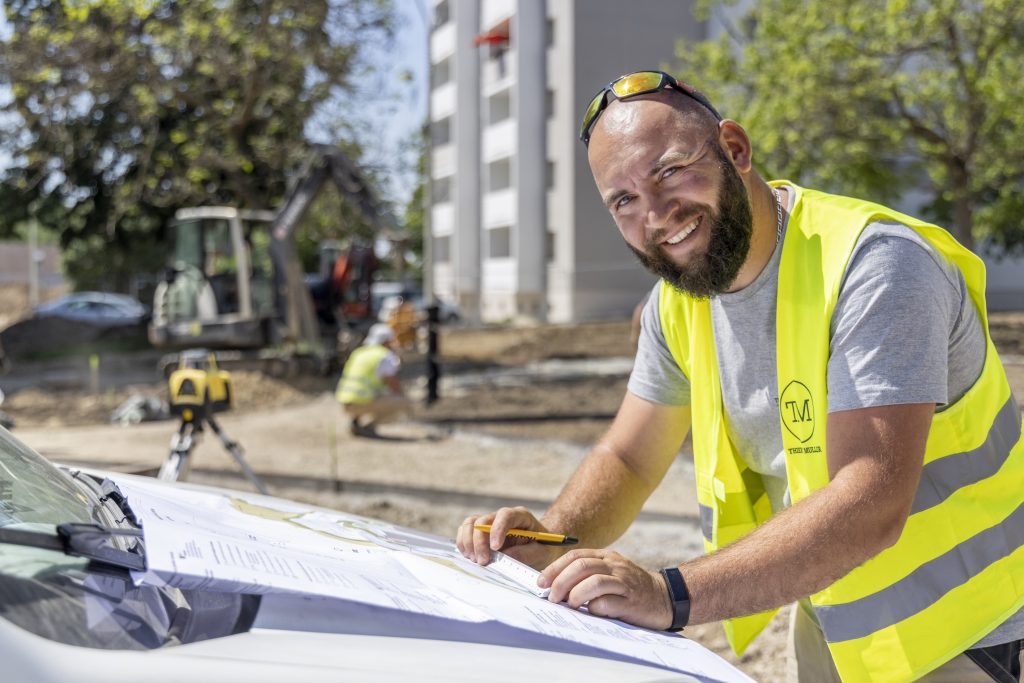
pixel 511 518
pixel 610 586
pixel 572 570
pixel 558 566
pixel 597 590
pixel 466 540
pixel 478 545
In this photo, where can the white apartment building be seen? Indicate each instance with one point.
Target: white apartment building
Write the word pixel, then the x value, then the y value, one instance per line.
pixel 518 230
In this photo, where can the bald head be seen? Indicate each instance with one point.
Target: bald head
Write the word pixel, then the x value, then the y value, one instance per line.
pixel 665 111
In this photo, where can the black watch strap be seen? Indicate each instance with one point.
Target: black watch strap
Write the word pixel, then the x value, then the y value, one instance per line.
pixel 679 596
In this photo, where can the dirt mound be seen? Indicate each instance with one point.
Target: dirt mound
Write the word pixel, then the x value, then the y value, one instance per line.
pixel 254 390
pixel 37 407
pixel 512 345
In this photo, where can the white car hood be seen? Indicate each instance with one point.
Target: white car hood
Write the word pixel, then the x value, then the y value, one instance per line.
pixel 273 656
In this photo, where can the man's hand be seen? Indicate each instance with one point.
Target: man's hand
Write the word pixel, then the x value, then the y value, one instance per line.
pixel 610 586
pixel 477 545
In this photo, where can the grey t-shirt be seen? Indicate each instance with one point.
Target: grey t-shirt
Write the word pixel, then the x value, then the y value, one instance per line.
pixel 904 330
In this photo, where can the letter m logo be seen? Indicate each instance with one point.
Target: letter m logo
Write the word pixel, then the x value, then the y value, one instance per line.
pixel 796 407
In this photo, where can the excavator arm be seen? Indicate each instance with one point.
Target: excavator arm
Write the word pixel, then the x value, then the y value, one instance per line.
pixel 325 164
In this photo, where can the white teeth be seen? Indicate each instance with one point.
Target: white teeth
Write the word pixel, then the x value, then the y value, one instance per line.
pixel 682 235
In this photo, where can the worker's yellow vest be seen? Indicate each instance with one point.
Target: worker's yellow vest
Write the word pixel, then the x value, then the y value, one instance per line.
pixel 957 570
pixel 359 382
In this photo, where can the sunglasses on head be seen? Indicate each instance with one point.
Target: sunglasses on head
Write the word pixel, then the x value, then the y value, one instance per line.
pixel 634 85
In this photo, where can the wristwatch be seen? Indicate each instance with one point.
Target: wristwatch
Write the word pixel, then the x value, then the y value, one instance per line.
pixel 679 596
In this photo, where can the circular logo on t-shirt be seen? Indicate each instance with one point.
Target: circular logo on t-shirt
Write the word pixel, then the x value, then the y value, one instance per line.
pixel 796 405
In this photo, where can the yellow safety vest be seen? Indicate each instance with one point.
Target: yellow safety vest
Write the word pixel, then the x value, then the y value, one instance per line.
pixel 957 570
pixel 359 382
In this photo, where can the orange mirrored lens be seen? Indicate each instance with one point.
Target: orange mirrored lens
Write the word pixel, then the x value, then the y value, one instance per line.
pixel 635 83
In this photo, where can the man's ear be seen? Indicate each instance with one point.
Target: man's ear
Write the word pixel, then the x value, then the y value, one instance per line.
pixel 736 144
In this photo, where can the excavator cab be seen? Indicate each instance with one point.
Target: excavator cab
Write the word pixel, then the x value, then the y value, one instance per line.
pixel 218 289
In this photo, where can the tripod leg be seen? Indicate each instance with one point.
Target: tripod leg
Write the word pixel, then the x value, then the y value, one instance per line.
pixel 233 448
pixel 178 463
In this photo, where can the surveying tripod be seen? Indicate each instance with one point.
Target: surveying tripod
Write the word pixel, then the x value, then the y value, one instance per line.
pixel 178 463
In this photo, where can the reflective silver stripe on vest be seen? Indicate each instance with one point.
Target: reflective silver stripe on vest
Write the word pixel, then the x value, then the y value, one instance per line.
pixel 943 477
pixel 925 585
pixel 707 520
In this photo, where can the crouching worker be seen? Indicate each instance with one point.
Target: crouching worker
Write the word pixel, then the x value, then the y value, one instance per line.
pixel 369 389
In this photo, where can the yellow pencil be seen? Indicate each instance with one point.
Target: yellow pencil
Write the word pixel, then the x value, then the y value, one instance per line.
pixel 539 536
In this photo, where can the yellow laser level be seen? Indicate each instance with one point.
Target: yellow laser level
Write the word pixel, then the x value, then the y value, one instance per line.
pixel 198 389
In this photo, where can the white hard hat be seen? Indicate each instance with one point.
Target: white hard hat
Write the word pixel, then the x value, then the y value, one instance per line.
pixel 379 334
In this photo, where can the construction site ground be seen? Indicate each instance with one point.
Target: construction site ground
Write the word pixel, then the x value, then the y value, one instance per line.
pixel 518 408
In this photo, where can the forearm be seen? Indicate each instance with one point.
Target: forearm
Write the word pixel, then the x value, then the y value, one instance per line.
pixel 795 554
pixel 600 500
pixel 612 483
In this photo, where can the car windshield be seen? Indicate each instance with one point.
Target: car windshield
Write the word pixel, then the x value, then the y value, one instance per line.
pixel 72 601
pixel 34 492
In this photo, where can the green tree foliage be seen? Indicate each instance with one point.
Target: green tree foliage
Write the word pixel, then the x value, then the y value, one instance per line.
pixel 415 211
pixel 880 97
pixel 130 109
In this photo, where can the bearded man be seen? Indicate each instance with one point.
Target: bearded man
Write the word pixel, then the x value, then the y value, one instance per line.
pixel 856 445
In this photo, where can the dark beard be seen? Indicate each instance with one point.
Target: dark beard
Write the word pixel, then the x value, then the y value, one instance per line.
pixel 730 228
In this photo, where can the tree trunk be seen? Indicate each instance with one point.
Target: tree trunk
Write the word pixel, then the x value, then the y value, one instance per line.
pixel 963 206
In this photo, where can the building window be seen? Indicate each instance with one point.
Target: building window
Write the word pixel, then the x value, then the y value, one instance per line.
pixel 442 14
pixel 549 172
pixel 549 31
pixel 441 72
pixel 499 175
pixel 442 249
pixel 441 190
pixel 498 45
pixel 499 242
pixel 499 107
pixel 549 102
pixel 441 132
pixel 550 245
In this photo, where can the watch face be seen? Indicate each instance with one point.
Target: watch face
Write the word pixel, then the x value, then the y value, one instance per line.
pixel 680 597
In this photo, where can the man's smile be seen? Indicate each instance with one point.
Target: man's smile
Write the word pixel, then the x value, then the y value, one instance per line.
pixel 683 233
pixel 680 243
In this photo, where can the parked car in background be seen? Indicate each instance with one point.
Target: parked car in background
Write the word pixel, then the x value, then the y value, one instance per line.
pixel 95 307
